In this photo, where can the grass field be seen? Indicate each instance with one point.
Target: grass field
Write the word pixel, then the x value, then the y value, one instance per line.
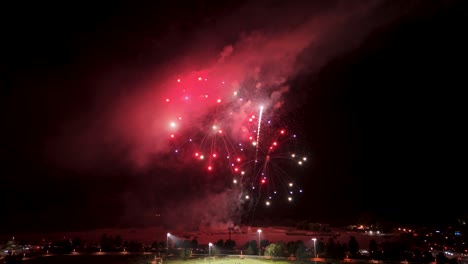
pixel 146 259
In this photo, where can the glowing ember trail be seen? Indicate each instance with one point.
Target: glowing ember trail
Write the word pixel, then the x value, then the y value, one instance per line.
pixel 258 132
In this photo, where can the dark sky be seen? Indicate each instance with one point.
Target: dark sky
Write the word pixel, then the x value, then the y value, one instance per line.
pixel 372 89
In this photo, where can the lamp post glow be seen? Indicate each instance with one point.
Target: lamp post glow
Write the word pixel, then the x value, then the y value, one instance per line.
pixel 315 248
pixel 167 243
pixel 209 252
pixel 259 232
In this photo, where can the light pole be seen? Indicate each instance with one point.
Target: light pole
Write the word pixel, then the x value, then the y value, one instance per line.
pixel 167 243
pixel 259 247
pixel 209 252
pixel 315 248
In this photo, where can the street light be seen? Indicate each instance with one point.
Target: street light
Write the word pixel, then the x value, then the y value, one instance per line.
pixel 209 252
pixel 167 243
pixel 259 232
pixel 315 249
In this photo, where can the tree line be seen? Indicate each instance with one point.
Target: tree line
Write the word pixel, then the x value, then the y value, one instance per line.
pixel 402 249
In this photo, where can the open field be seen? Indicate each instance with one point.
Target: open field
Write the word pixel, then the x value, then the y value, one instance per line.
pixel 144 259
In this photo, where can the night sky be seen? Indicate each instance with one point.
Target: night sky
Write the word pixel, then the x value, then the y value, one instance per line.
pixel 373 90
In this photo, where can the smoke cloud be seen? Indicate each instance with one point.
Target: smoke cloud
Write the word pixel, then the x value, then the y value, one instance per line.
pixel 255 50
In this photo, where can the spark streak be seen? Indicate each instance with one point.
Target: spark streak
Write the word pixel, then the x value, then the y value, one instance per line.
pixel 258 132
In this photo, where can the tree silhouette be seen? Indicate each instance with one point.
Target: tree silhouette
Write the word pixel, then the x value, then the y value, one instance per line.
pixel 118 241
pixel 353 246
pixel 264 243
pixel 373 248
pixel 230 244
pixel 292 247
pixel 77 242
pixel 220 244
pixel 252 248
pixel 301 252
pixel 273 250
pixel 105 242
pixel 330 249
pixel 185 253
pixel 341 250
pixel 194 243
pixel 283 248
pixel 155 245
pixel 187 244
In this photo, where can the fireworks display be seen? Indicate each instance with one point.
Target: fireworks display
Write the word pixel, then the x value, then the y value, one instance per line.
pixel 214 116
pixel 240 139
pixel 225 113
